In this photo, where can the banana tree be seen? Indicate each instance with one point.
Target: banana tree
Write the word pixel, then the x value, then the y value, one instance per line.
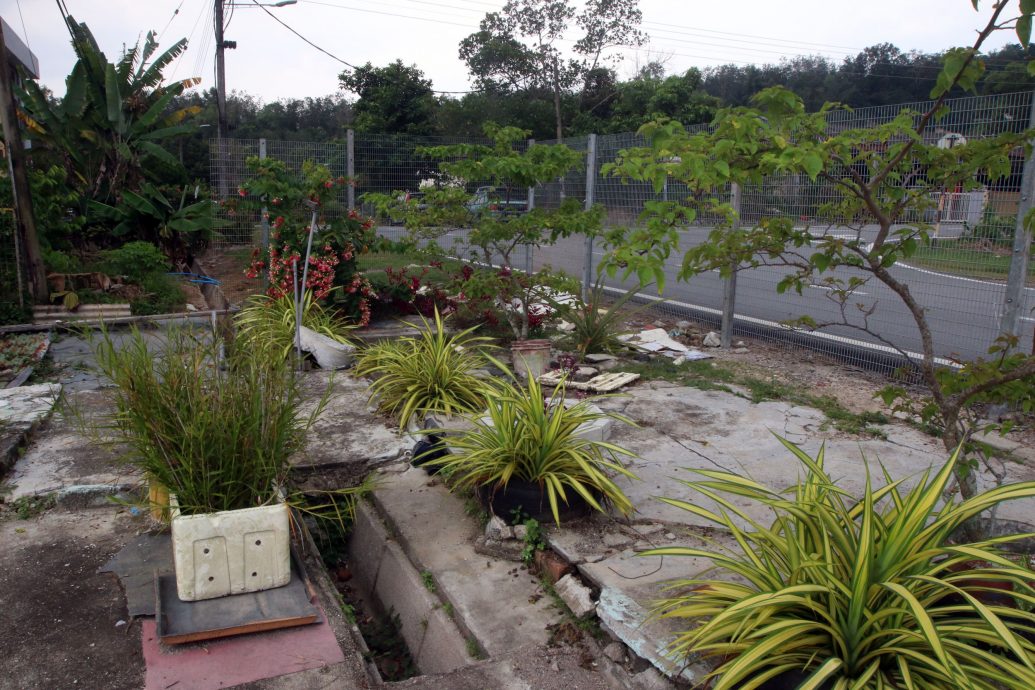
pixel 107 129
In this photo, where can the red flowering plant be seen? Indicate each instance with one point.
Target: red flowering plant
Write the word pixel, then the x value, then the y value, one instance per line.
pixel 341 237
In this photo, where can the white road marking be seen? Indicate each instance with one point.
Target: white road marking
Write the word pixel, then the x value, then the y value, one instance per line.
pixel 827 287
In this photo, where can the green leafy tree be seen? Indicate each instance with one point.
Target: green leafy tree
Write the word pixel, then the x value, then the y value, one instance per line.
pixel 396 99
pixel 500 238
pixel 518 49
pixel 885 175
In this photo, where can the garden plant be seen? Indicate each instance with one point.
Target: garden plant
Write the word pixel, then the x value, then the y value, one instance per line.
pixel 879 592
pixel 500 241
pixel 431 372
pixel 341 236
pixel 525 437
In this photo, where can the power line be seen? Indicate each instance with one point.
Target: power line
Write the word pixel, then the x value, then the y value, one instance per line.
pixel 175 12
pixel 25 33
pixel 278 20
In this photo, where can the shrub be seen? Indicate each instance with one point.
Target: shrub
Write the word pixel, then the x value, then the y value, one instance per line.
pixel 433 372
pixel 161 295
pixel 267 324
pixel 219 437
pixel 342 236
pixel 134 260
pixel 863 594
pixel 533 440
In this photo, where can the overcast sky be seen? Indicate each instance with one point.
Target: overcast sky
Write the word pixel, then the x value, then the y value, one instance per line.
pixel 272 63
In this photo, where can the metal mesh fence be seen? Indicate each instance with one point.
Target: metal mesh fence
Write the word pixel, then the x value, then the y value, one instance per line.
pixel 959 279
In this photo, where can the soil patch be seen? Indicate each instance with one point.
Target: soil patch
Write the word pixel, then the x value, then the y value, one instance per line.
pixel 227 265
pixel 65 623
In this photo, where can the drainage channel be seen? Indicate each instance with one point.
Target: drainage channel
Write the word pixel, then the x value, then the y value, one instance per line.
pixel 407 630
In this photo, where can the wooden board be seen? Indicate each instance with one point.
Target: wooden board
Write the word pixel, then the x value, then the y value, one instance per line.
pixel 603 383
pixel 190 621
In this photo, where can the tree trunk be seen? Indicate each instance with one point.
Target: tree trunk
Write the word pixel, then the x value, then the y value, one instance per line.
pixel 557 100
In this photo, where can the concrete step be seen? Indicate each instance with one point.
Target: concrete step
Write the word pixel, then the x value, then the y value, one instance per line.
pixel 496 602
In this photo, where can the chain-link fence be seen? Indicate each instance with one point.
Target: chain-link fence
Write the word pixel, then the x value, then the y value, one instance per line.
pixel 959 278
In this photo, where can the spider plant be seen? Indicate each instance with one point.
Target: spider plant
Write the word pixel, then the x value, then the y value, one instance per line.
pixel 855 594
pixel 524 437
pixel 267 324
pixel 219 435
pixel 597 328
pixel 432 372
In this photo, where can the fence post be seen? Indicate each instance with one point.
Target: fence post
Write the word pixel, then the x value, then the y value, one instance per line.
pixel 265 224
pixel 531 205
pixel 729 286
pixel 591 178
pixel 1020 256
pixel 350 166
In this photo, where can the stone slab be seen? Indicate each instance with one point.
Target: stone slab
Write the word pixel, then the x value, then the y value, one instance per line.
pixel 348 432
pixel 623 617
pixel 62 460
pixel 685 428
pixel 491 598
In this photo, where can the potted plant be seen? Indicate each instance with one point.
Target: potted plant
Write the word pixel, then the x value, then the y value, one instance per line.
pixel 530 455
pixel 840 593
pixel 217 434
pixel 505 231
pixel 432 372
pixel 268 324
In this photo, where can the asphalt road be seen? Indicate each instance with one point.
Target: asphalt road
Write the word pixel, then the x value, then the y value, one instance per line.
pixel 963 313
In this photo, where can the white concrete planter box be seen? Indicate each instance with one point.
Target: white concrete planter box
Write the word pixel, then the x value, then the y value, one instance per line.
pixel 230 552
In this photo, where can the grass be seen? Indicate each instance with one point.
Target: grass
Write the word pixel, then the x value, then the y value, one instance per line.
pixel 709 376
pixel 28 507
pixel 962 257
pixel 379 261
pixel 474 650
pixel 428 579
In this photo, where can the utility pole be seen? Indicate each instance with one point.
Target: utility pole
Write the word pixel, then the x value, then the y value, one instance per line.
pixel 25 220
pixel 221 131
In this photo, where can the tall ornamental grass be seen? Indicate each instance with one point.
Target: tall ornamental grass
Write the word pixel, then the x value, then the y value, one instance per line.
pixel 217 433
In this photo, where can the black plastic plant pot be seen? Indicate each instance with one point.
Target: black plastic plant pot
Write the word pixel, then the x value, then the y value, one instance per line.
pixel 430 447
pixel 520 500
pixel 791 680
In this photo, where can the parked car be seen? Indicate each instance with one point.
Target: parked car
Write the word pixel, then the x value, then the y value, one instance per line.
pixel 489 200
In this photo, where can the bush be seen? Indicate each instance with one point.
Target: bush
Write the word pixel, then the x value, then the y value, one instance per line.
pixel 134 260
pixel 268 325
pixel 526 438
pixel 219 437
pixel 863 594
pixel 994 227
pixel 432 372
pixel 161 295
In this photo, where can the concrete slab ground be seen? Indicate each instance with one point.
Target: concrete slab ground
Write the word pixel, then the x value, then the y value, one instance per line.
pixel 53 605
pixel 350 433
pixel 22 410
pixel 66 461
